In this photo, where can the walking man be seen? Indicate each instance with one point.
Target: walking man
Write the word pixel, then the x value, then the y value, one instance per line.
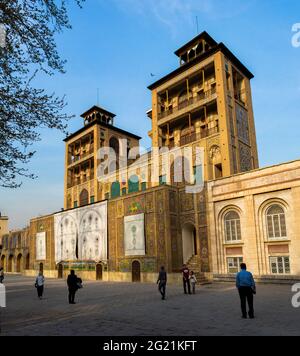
pixel 246 287
pixel 162 282
pixel 186 279
pixel 73 286
pixel 39 284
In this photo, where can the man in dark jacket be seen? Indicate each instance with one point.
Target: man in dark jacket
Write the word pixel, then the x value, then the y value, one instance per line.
pixel 246 287
pixel 162 282
pixel 186 279
pixel 72 285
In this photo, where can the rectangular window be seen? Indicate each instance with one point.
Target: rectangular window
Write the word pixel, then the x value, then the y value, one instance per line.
pixel 233 264
pixel 75 204
pixel 218 171
pixel 92 199
pixel 163 180
pixel 280 265
pixel 124 191
pixel 144 186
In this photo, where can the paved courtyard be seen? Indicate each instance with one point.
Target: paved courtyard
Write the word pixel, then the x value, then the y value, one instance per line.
pixel 136 309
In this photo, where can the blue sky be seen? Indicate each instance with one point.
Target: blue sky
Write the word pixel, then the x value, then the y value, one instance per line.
pixel 115 45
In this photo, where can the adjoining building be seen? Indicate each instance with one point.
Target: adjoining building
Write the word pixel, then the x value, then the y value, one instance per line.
pixel 125 218
pixel 3 226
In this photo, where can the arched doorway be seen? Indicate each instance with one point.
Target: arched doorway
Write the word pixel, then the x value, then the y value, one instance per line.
pixel 19 263
pixel 60 270
pixel 10 263
pixel 84 197
pixel 3 262
pixel 41 268
pixel 27 264
pixel 189 243
pixel 136 271
pixel 99 272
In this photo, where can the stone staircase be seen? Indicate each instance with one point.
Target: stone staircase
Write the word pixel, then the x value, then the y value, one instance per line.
pixel 194 264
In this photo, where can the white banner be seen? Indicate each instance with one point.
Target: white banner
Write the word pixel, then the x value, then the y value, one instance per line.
pixel 134 235
pixel 41 246
pixel 81 234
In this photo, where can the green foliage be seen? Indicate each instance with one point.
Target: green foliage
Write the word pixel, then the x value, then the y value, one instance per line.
pixel 30 48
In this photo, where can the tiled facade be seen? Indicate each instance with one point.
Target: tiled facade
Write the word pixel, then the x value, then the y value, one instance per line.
pixel 242 214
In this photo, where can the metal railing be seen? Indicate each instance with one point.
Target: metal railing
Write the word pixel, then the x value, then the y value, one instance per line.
pixel 81 156
pixel 200 97
pixel 185 140
pixel 77 181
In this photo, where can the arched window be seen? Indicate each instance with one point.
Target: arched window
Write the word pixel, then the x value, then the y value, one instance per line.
pixel 232 227
pixel 115 190
pixel 133 184
pixel 84 197
pixel 276 224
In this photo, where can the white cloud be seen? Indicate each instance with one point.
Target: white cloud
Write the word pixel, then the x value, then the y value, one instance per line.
pixel 176 13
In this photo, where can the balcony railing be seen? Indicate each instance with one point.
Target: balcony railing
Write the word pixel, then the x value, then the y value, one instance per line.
pixel 200 97
pixel 185 140
pixel 81 156
pixel 77 181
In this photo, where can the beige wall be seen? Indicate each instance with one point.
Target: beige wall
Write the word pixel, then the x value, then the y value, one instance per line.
pixel 251 194
pixel 3 227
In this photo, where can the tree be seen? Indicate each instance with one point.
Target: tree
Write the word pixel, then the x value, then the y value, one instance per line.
pixel 30 48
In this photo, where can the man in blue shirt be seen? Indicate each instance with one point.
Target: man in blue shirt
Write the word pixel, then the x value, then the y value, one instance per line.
pixel 246 287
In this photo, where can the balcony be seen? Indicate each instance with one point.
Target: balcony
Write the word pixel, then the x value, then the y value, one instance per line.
pixel 78 180
pixel 185 140
pixel 81 156
pixel 202 97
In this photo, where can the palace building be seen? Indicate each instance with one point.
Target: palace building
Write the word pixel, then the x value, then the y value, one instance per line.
pixel 126 214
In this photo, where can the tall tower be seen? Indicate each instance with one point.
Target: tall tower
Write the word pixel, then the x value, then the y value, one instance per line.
pixel 3 226
pixel 81 157
pixel 207 101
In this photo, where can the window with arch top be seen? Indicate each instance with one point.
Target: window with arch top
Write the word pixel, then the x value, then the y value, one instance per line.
pixel 232 226
pixel 133 184
pixel 276 222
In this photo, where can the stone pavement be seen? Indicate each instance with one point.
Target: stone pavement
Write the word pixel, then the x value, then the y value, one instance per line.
pixel 114 309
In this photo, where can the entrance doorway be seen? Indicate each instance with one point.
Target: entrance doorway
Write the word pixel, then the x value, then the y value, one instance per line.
pixel 3 262
pixel 10 263
pixel 99 272
pixel 136 271
pixel 41 267
pixel 19 263
pixel 60 270
pixel 189 242
pixel 27 261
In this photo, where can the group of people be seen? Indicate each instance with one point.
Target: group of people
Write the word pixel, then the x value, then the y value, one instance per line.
pixel 189 280
pixel 244 283
pixel 74 283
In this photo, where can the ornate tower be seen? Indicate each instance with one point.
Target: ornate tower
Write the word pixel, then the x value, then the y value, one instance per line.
pixel 81 159
pixel 207 102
